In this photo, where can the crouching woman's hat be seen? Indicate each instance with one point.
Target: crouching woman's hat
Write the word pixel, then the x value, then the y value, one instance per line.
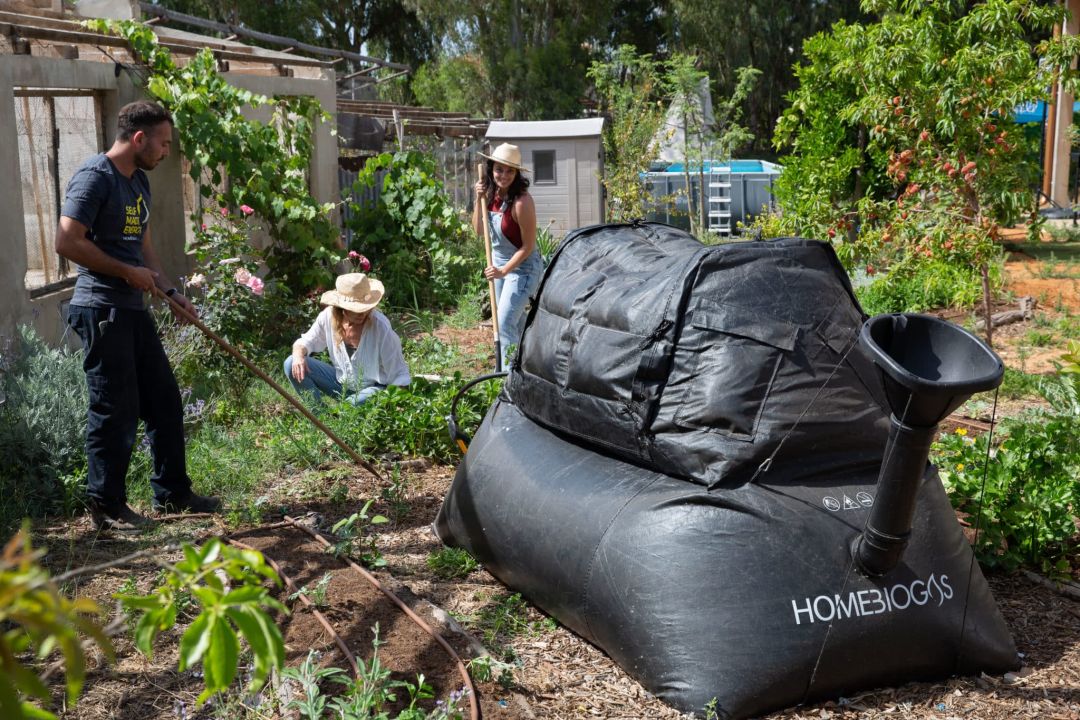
pixel 355 292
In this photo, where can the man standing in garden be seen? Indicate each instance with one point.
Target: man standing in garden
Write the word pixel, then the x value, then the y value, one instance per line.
pixel 104 229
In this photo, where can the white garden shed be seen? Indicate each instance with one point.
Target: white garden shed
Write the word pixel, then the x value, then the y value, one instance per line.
pixel 565 159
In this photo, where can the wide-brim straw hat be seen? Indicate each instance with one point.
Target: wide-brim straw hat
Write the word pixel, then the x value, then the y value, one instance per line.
pixel 507 154
pixel 355 292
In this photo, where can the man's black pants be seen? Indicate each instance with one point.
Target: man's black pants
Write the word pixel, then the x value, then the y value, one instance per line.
pixel 129 378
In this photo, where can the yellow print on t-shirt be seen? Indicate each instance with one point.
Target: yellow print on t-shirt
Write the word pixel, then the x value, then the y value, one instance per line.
pixel 133 220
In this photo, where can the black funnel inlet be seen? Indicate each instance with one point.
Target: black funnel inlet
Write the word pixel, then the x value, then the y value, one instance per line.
pixel 929 367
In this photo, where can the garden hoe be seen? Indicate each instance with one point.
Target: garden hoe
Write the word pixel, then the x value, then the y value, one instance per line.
pixel 491 283
pixel 266 378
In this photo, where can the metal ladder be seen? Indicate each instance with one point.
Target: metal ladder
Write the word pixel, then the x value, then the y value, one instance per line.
pixel 720 202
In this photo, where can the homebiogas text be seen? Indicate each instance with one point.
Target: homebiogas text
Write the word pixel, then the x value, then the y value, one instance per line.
pixel 935 590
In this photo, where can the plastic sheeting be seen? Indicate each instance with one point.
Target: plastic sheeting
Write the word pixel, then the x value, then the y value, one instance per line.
pixel 687 448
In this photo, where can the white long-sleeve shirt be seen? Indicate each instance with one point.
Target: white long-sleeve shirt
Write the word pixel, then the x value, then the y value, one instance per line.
pixel 377 359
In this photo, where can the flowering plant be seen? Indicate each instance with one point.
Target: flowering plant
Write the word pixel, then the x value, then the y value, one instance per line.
pixel 359 262
pixel 233 294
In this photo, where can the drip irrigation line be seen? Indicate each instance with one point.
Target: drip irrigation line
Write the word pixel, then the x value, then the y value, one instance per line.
pixel 304 599
pixel 474 708
pixel 191 318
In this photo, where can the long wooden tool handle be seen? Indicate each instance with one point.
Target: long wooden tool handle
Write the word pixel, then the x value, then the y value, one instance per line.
pixel 491 283
pixel 268 380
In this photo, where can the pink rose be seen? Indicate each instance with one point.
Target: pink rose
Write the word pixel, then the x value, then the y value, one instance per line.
pixel 353 255
pixel 365 264
pixel 247 209
pixel 224 212
pixel 256 284
pixel 204 227
pixel 242 276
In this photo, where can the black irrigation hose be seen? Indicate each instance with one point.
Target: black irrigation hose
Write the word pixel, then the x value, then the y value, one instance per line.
pixel 456 435
pixel 474 707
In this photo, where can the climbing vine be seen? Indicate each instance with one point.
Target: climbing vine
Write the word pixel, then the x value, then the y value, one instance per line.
pixel 238 161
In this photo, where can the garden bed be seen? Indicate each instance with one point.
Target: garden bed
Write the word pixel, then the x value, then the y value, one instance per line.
pixel 541 670
pixel 555 674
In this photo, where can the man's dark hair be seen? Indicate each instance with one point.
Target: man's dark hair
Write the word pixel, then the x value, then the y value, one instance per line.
pixel 140 115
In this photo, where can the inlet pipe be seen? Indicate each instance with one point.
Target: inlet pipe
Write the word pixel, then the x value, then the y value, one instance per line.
pixel 929 367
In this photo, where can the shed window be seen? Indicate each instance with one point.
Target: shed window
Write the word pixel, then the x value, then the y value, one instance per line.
pixel 56 130
pixel 544 167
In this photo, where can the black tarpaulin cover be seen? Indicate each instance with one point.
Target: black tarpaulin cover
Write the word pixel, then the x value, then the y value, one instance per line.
pixel 685 452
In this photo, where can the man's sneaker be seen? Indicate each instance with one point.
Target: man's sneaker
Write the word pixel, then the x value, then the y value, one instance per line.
pixel 191 503
pixel 120 519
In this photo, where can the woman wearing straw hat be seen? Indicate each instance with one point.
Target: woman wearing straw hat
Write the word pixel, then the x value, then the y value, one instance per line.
pixel 515 260
pixel 365 352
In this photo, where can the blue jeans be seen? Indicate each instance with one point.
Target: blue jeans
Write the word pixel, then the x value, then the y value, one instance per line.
pixel 321 379
pixel 512 295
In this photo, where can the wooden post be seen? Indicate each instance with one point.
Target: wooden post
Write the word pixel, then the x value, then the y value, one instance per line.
pixel 37 188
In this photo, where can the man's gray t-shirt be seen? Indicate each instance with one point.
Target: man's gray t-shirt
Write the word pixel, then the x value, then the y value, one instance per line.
pixel 116 210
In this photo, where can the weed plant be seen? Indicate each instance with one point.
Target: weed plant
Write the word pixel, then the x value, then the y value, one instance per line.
pixel 1039 338
pixel 366 697
pixel 355 538
pixel 316 593
pixel 505 618
pixel 449 563
pixel 42 429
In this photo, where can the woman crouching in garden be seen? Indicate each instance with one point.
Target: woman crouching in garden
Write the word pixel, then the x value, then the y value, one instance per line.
pixel 516 264
pixel 365 352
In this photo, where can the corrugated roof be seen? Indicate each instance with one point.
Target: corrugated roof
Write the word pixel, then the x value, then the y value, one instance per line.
pixel 507 130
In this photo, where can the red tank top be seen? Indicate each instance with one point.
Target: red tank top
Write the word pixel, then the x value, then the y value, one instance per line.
pixel 510 228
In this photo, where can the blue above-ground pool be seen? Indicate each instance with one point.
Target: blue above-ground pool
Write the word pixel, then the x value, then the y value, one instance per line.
pixel 737 191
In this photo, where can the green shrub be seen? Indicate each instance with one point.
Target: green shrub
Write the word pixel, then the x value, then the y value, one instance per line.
pixel 411 421
pixel 42 428
pixel 414 238
pixel 1030 503
pixel 935 284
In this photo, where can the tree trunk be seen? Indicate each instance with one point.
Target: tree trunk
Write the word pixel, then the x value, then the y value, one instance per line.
pixel 686 172
pixel 853 229
pixel 985 269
